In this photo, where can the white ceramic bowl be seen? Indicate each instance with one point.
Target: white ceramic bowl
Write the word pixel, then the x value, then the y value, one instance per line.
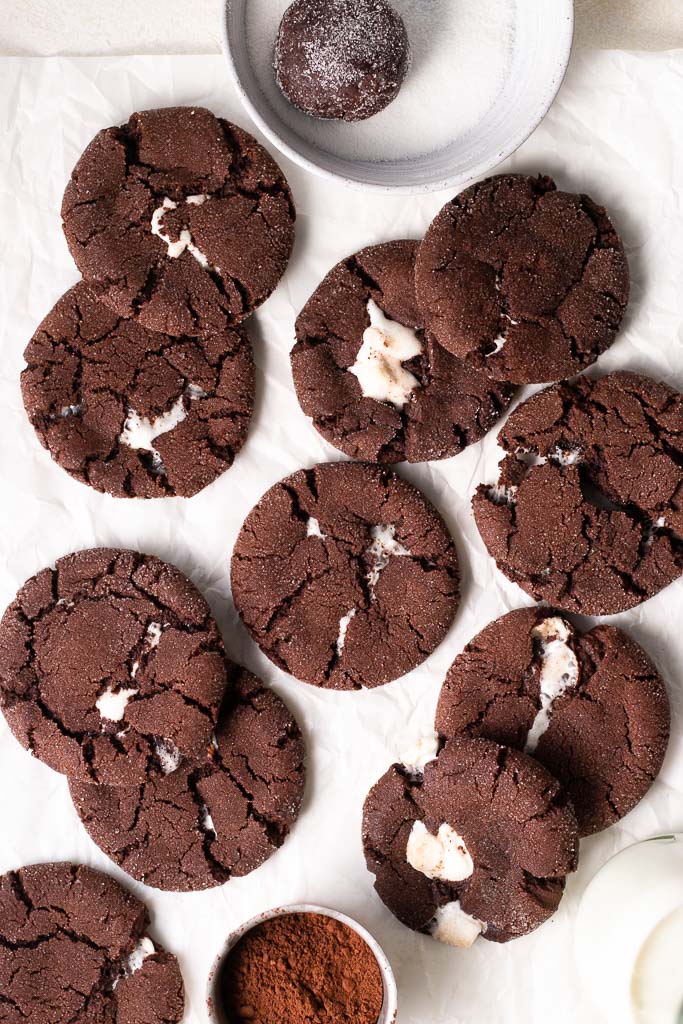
pixel 390 1003
pixel 542 45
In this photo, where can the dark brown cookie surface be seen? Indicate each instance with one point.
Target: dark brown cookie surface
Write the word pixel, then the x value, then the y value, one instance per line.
pixel 588 511
pixel 375 385
pixel 590 706
pixel 345 575
pixel 479 843
pixel 215 817
pixel 131 412
pixel 180 219
pixel 111 667
pixel 528 281
pixel 342 59
pixel 73 947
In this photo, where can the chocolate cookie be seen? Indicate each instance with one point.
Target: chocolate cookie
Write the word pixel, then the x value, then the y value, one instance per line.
pixel 345 575
pixel 180 219
pixel 343 59
pixel 375 385
pixel 479 843
pixel 131 412
pixel 588 511
pixel 528 281
pixel 73 947
pixel 219 816
pixel 590 706
pixel 111 667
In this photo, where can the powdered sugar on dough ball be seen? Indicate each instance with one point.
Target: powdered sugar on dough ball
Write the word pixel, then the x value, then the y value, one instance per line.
pixel 341 59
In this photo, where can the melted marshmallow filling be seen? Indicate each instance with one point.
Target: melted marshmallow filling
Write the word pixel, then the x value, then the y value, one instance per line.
pixel 454 927
pixel 184 240
pixel 383 546
pixel 421 753
pixel 140 433
pixel 559 672
pixel 379 368
pixel 443 856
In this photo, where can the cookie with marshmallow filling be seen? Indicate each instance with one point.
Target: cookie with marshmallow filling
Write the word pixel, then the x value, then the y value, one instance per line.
pixel 218 816
pixel 131 412
pixel 477 841
pixel 522 278
pixel 587 511
pixel 180 219
pixel 345 575
pixel 74 947
pixel 375 384
pixel 589 706
pixel 112 669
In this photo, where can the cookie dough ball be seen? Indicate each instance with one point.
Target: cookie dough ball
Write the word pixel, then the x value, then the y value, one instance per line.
pixel 522 278
pixel 180 219
pixel 217 817
pixel 112 669
pixel 375 384
pixel 478 842
pixel 341 59
pixel 74 947
pixel 589 706
pixel 132 412
pixel 345 575
pixel 587 513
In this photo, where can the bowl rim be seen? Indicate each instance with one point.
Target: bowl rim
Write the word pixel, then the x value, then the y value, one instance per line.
pixel 459 181
pixel 390 1000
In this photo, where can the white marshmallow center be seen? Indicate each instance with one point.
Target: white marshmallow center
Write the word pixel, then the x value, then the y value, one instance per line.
pixel 140 433
pixel 383 547
pixel 112 703
pixel 185 240
pixel 168 754
pixel 424 750
pixel 559 672
pixel 379 363
pixel 443 856
pixel 454 927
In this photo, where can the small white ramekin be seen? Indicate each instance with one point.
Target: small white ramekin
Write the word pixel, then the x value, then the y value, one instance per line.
pixel 542 46
pixel 390 1002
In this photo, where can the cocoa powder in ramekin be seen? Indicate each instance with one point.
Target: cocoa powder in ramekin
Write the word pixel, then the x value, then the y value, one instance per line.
pixel 300 969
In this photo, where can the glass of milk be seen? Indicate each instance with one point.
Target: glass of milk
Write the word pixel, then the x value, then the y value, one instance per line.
pixel 629 934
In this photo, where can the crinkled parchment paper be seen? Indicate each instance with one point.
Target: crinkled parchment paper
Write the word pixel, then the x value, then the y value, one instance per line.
pixel 614 132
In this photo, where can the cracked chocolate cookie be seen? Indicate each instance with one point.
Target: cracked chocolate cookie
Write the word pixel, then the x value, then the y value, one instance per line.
pixel 530 282
pixel 219 816
pixel 374 383
pixel 478 842
pixel 180 219
pixel 74 947
pixel 132 412
pixel 590 706
pixel 341 59
pixel 345 575
pixel 588 511
pixel 112 668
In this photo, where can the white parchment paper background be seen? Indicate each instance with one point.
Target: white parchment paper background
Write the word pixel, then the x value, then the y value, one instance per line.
pixel 614 132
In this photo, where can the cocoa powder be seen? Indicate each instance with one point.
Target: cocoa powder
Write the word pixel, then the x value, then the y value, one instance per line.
pixel 301 969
